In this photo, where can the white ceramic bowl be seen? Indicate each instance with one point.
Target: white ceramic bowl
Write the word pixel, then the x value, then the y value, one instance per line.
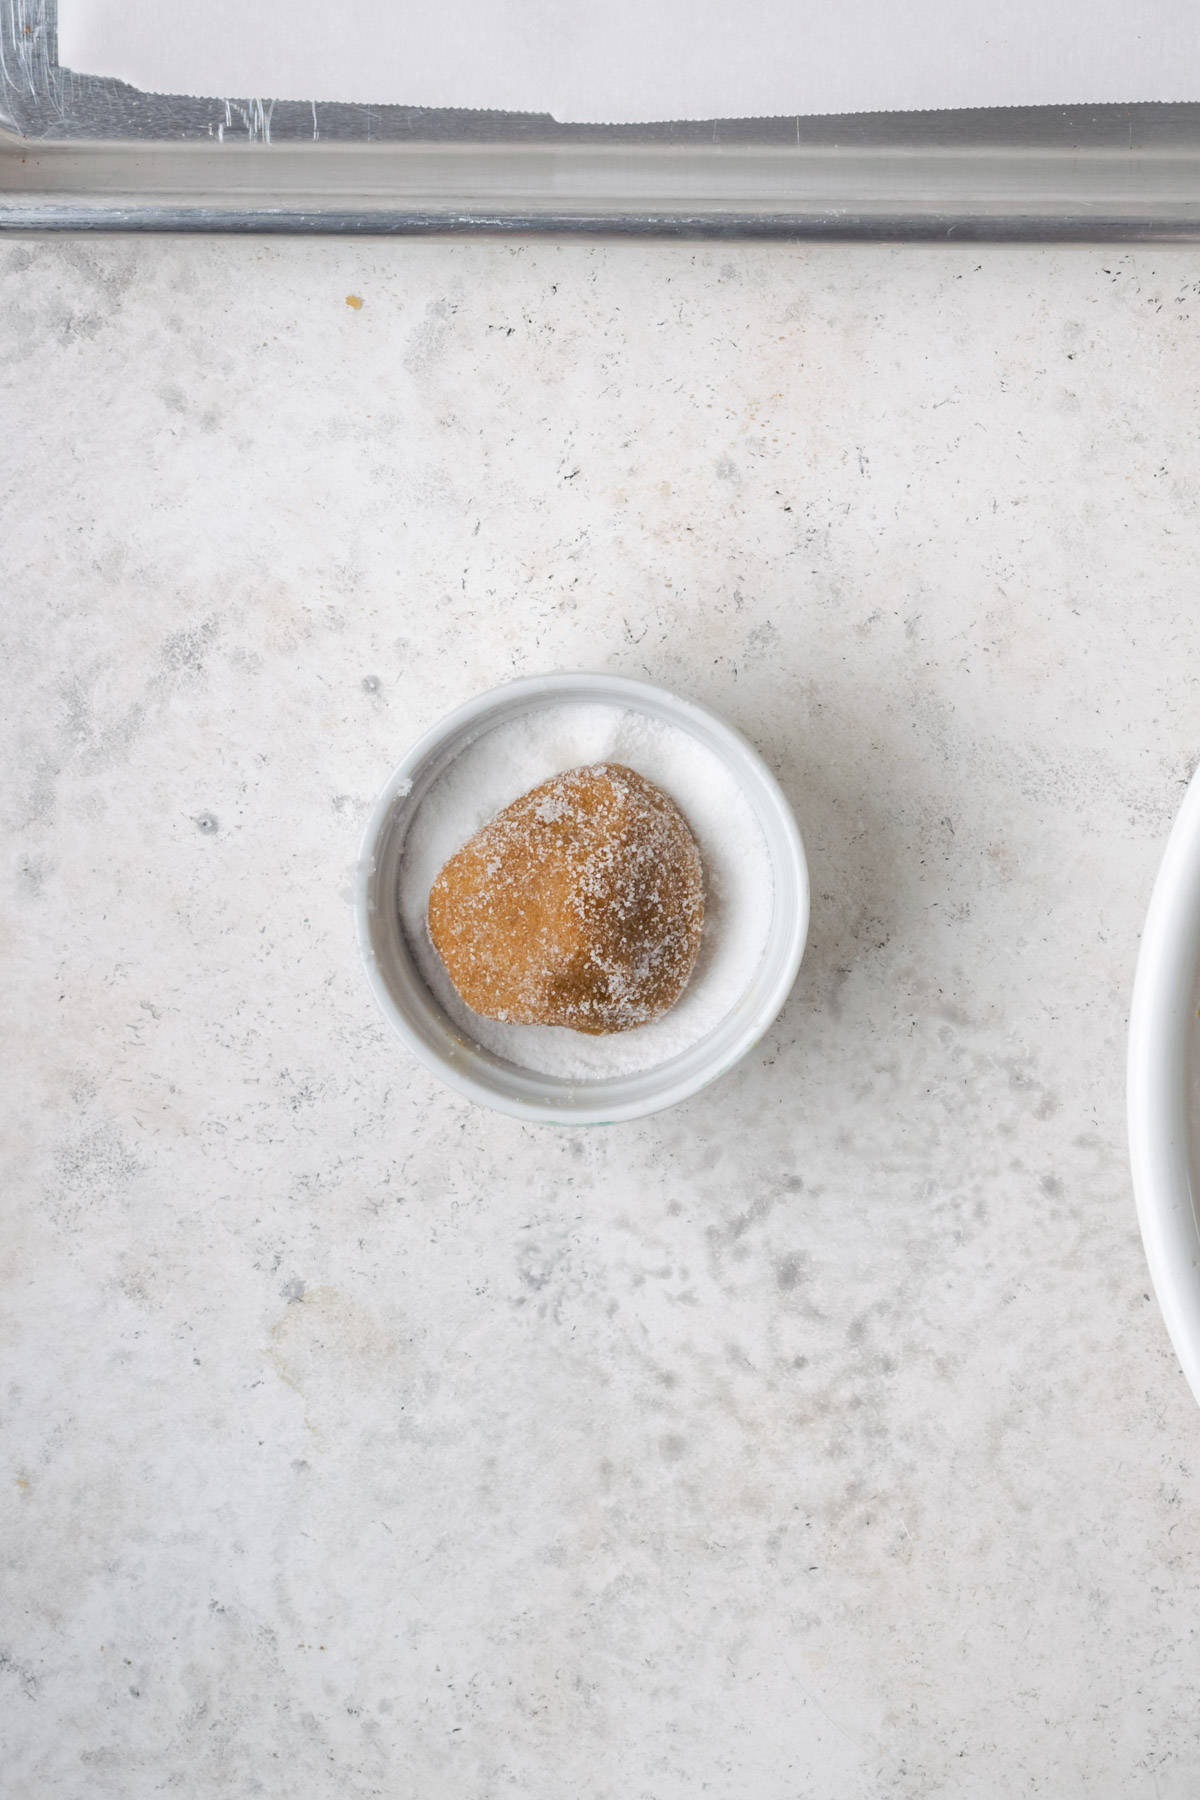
pixel 1163 1086
pixel 479 1073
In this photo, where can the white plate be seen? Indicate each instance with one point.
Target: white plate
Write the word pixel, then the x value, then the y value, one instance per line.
pixel 1164 1096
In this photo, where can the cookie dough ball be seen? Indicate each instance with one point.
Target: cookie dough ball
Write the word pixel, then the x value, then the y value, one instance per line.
pixel 581 904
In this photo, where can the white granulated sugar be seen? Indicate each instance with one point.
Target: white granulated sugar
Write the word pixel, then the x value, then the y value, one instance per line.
pixel 505 763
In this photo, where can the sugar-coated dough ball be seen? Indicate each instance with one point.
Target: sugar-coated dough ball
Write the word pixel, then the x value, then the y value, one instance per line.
pixel 581 904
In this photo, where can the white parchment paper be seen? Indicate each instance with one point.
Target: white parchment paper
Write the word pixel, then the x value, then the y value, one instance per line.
pixel 625 61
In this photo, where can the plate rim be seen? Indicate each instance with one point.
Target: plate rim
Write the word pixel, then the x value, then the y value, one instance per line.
pixel 1161 1027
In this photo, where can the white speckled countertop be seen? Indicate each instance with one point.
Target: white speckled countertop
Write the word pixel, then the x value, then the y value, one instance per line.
pixel 816 1439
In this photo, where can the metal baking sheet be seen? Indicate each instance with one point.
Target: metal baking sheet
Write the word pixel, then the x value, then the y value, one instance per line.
pixel 82 153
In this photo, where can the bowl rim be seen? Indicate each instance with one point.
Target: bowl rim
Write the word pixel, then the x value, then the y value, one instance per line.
pixel 1162 1026
pixel 601 688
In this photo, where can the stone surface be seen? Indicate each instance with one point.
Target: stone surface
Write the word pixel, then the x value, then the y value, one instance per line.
pixel 819 1437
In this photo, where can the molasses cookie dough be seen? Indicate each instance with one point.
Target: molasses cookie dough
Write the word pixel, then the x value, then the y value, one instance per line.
pixel 581 905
